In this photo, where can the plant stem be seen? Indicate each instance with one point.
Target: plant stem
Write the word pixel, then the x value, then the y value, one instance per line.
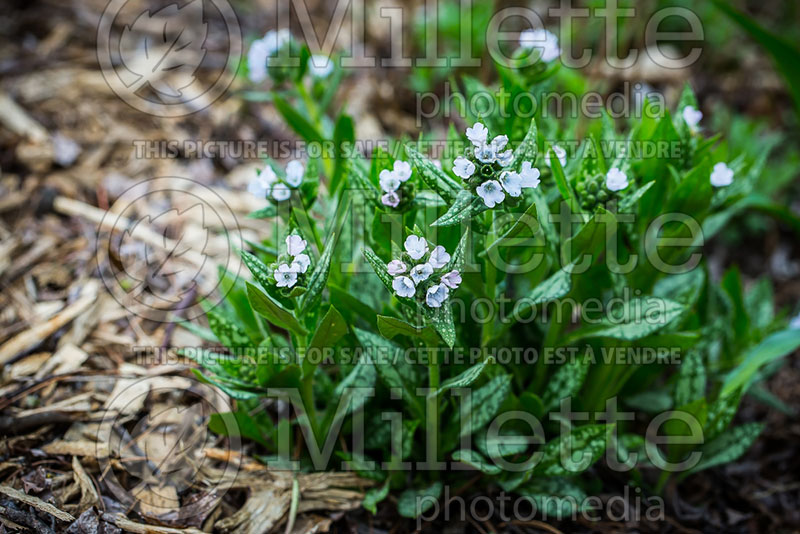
pixel 432 403
pixel 307 395
pixel 491 280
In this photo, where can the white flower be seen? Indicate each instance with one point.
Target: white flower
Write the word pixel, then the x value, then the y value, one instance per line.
pixel 275 40
pixel 439 257
pixel 561 154
pixel 261 184
pixel 295 244
pixel 452 279
pixel 396 267
pixel 301 263
pixel 616 180
pixel 320 66
pixel 499 143
pixel 512 183
pixel 530 175
pixel 285 276
pixel 543 40
pixel 402 169
pixel 794 324
pixel 491 193
pixel 294 173
pixel 403 286
pixel 261 50
pixel 257 61
pixel 438 164
pixel 436 295
pixel 416 246
pixel 390 199
pixel 281 192
pixel 692 116
pixel 420 273
pixel 721 176
pixel 389 181
pixel 485 153
pixel 505 158
pixel 478 134
pixel 463 168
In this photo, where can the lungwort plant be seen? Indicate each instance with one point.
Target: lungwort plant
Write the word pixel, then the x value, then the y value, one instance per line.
pixel 512 307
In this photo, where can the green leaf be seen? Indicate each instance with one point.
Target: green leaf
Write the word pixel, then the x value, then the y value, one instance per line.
pixel 330 330
pixel 728 447
pixel 415 502
pixel 526 221
pixel 373 496
pixel 566 382
pixel 484 403
pixel 465 206
pixel 392 368
pixel 433 176
pixel 558 455
pixel 561 182
pixel 638 319
pixel 257 268
pixel 474 459
pixel 441 319
pixel 343 135
pixel 591 238
pixel 720 414
pixel 770 349
pixel 691 384
pixel 464 378
pixel 391 327
pixel 272 311
pixel 554 497
pixel 296 121
pixel 319 278
pixel 268 211
pixel 527 149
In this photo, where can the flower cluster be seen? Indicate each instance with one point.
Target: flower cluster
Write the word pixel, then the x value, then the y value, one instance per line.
pixel 393 184
pixel 596 190
pixel 422 279
pixel 485 168
pixel 543 40
pixel 263 49
pixel 293 264
pixel 267 184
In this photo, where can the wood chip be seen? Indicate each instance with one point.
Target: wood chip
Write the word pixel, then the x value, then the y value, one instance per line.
pixel 36 502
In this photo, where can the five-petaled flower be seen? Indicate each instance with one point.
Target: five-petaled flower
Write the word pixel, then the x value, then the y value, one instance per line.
pixel 692 117
pixel 616 180
pixel 491 192
pixel 721 175
pixel 416 246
